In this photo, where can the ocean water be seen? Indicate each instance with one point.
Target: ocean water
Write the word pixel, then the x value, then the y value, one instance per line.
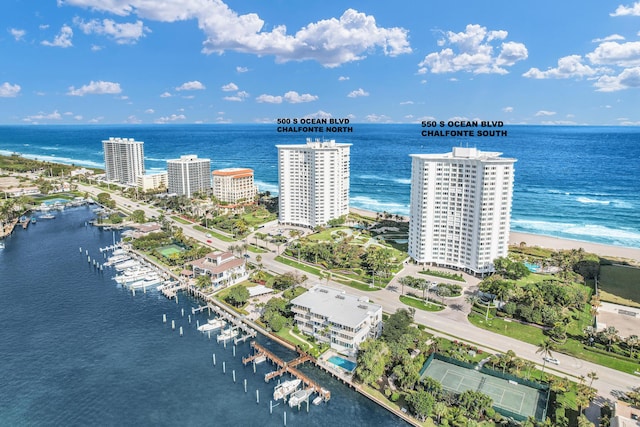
pixel 77 350
pixel 580 183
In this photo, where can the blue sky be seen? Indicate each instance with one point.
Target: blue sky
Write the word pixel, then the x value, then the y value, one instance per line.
pixel 249 61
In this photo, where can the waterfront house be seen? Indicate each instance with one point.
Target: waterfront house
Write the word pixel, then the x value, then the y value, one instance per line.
pixel 336 317
pixel 223 267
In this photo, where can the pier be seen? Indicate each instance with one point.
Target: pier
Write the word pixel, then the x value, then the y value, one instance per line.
pixel 287 367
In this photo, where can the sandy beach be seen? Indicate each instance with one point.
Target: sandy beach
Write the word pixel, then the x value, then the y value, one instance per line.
pixel 552 242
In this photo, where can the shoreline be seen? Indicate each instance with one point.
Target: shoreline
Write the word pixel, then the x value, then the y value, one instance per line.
pixel 549 242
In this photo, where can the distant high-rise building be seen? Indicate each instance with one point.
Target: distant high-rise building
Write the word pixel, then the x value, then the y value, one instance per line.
pixel 154 181
pixel 189 175
pixel 313 181
pixel 123 160
pixel 460 211
pixel 234 185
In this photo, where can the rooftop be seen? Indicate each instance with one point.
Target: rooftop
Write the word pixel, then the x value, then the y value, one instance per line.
pixel 338 306
pixel 464 153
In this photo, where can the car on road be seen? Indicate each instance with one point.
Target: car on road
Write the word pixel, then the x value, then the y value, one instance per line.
pixel 552 360
pixel 208 235
pixel 209 241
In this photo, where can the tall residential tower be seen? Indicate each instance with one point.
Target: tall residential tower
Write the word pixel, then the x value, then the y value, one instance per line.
pixel 314 182
pixel 460 208
pixel 123 160
pixel 189 175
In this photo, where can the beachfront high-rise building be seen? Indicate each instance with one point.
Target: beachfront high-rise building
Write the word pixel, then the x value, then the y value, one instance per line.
pixel 234 185
pixel 123 160
pixel 460 210
pixel 156 181
pixel 313 182
pixel 189 175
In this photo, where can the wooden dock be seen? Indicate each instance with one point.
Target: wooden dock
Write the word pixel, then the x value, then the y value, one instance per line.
pixel 287 367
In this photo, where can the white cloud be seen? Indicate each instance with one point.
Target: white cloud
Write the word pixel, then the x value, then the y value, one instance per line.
pixel 43 26
pixel 269 99
pixel 612 37
pixel 96 119
pixel 472 51
pixel 133 120
pixel 627 10
pixel 318 115
pixel 17 34
pixel 171 118
pixel 614 53
pixel 241 69
pixel 125 33
pixel 7 90
pixel 63 39
pixel 294 97
pixel 628 78
pixel 568 67
pixel 331 42
pixel 238 97
pixel 192 85
pixel 229 87
pixel 165 95
pixel 407 103
pixel 43 116
pixel 508 109
pixel 149 111
pixel 545 113
pixel 558 122
pixel 358 93
pixel 343 78
pixel 78 117
pixel 378 118
pixel 95 48
pixel 96 88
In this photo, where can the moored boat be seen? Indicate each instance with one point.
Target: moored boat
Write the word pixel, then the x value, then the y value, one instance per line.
pixel 286 388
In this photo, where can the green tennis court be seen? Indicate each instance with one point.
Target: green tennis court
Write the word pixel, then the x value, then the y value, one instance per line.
pixel 508 395
pixel 169 250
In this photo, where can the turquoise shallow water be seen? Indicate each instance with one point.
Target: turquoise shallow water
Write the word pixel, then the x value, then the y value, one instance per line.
pixel 576 182
pixel 78 350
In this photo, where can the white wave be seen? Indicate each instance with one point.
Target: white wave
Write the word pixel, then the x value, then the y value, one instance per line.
pixel 265 186
pixel 370 204
pixel 566 193
pixel 622 204
pixel 56 159
pixel 593 230
pixel 402 180
pixel 154 170
pixel 542 225
pixel 587 200
pixel 153 159
pixel 584 232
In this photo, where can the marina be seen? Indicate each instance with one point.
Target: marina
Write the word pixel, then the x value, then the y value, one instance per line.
pixel 126 327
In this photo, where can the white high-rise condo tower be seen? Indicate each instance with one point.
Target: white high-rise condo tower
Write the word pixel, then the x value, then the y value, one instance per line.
pixel 123 160
pixel 189 175
pixel 460 208
pixel 314 182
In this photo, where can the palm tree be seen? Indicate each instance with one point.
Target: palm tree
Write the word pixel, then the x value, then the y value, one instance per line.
pixel 440 409
pixel 611 333
pixel 632 341
pixel 546 348
pixel 593 375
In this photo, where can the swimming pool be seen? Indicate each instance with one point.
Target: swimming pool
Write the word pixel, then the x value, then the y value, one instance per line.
pixel 51 202
pixel 532 267
pixel 343 363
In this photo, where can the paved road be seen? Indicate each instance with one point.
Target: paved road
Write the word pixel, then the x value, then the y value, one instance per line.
pixel 447 322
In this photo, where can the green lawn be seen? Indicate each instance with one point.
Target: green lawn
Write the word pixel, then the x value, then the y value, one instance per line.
pixel 325 235
pixel 213 233
pixel 304 267
pixel 535 336
pixel 259 217
pixel 419 304
pixel 444 275
pixel 256 250
pixel 621 281
pixel 180 220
